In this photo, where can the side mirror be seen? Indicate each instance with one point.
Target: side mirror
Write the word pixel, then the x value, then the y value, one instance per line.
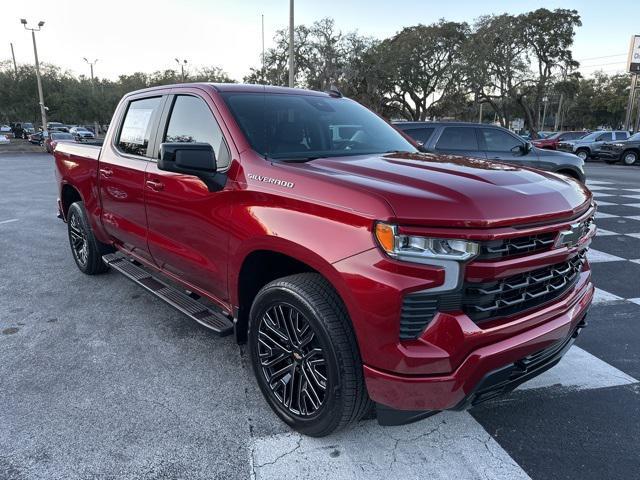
pixel 197 159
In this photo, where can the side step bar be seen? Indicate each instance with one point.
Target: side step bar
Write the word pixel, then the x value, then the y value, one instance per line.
pixel 213 320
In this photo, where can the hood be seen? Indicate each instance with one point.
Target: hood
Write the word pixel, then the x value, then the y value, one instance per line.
pixel 560 156
pixel 453 191
pixel 544 141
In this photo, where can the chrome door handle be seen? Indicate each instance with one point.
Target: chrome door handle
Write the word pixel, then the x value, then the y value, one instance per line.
pixel 106 172
pixel 155 185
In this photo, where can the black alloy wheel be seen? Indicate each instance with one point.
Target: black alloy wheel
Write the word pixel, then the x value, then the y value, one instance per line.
pixel 305 356
pixel 292 360
pixel 78 240
pixel 86 250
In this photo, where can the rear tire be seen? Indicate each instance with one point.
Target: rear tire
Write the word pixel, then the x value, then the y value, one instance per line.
pixel 629 157
pixel 583 154
pixel 86 250
pixel 305 356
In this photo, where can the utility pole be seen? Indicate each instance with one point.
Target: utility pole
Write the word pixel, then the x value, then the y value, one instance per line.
pixel 632 92
pixel 637 126
pixel 43 109
pixel 291 59
pixel 182 64
pixel 480 116
pixel 13 55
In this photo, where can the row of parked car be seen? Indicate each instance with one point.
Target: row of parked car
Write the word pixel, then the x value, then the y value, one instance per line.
pixel 27 131
pixel 611 146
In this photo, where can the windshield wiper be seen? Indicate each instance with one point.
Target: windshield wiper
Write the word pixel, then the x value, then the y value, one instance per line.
pixel 296 159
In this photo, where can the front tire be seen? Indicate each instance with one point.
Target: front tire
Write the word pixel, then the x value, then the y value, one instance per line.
pixel 629 157
pixel 86 250
pixel 305 357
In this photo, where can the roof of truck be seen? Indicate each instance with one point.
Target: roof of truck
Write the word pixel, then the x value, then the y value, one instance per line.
pixel 236 87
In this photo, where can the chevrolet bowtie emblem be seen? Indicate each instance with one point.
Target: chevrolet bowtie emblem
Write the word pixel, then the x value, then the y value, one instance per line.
pixel 571 237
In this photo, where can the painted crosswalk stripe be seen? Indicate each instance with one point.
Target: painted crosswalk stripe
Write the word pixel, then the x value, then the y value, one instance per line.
pixel 596 256
pixel 602 296
pixel 447 445
pixel 580 370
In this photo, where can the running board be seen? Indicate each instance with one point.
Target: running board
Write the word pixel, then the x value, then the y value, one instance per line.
pixel 213 320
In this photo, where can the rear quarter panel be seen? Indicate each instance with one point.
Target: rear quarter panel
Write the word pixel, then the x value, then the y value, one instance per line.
pixel 77 166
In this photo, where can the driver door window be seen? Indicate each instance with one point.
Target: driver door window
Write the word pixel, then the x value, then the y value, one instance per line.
pixel 192 121
pixel 502 145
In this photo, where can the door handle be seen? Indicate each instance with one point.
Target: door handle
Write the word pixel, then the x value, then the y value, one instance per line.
pixel 106 172
pixel 155 185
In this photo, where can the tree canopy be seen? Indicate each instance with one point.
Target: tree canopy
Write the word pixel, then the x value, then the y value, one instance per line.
pixel 516 66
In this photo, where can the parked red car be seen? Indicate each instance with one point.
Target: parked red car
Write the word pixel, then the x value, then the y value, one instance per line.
pixel 551 142
pixel 361 271
pixel 54 138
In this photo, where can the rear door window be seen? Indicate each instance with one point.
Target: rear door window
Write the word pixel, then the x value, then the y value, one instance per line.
pixel 458 138
pixel 138 126
pixel 622 135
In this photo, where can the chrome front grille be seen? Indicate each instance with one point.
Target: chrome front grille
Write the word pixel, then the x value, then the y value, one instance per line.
pixel 492 300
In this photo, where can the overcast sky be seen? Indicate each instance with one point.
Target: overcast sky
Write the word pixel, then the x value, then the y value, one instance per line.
pixel 146 35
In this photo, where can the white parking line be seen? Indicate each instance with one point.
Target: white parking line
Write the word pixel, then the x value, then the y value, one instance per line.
pixel 8 221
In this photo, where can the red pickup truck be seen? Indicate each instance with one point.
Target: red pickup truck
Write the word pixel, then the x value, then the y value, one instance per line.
pixel 363 273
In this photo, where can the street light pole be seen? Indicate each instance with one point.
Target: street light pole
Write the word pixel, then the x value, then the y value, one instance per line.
pixel 43 111
pixel 544 112
pixel 291 59
pixel 263 72
pixel 13 55
pixel 182 64
pixel 91 64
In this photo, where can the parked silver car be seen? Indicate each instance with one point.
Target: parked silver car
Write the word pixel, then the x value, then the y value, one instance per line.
pixel 81 133
pixel 587 146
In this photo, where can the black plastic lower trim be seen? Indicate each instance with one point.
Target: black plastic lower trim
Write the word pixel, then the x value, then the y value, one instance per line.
pixel 390 417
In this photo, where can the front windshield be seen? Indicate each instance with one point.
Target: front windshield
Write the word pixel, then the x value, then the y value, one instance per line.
pixel 303 127
pixel 635 137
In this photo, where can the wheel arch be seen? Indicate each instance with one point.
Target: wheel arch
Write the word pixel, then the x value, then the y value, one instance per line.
pixel 69 195
pixel 264 264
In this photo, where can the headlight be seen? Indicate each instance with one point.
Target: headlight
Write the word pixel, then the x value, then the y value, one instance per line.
pixel 422 249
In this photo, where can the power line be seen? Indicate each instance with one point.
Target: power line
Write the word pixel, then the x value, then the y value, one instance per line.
pixel 601 65
pixel 605 56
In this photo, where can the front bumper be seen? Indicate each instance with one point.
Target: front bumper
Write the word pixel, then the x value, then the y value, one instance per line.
pixel 487 371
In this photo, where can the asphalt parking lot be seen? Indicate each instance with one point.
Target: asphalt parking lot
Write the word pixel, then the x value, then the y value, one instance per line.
pixel 100 380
